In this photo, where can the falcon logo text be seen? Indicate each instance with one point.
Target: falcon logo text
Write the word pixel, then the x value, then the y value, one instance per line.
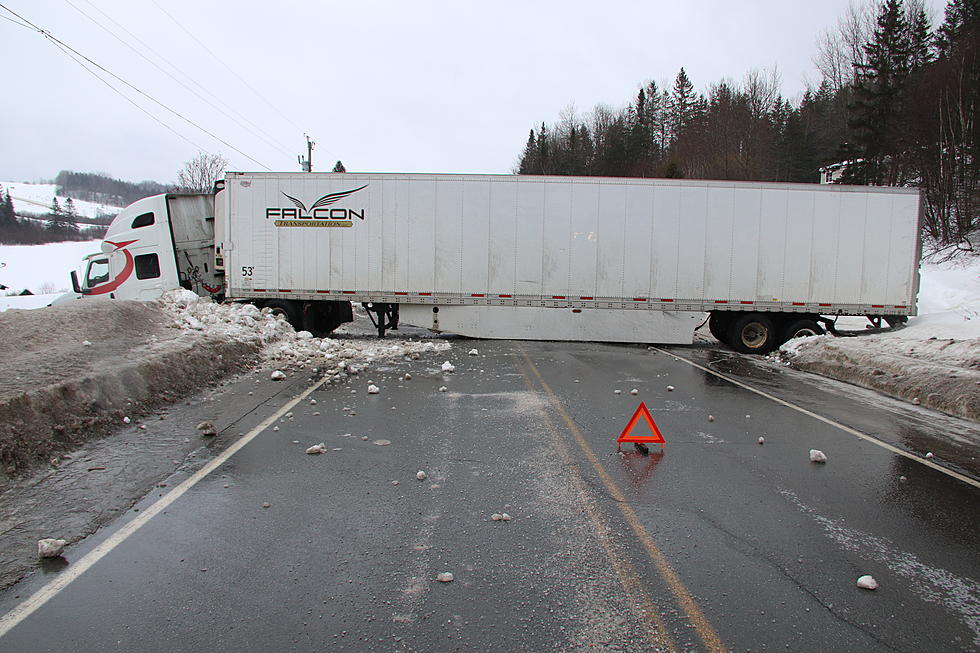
pixel 319 214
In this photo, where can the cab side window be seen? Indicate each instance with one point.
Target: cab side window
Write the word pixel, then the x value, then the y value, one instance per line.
pixel 147 266
pixel 144 220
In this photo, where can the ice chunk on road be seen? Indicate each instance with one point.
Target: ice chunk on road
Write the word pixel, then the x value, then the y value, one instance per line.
pixel 867 583
pixel 382 443
pixel 278 375
pixel 634 391
pixel 762 440
pixel 670 388
pixel 474 352
pixel 126 420
pixel 929 454
pixel 50 547
pixel 373 389
pixel 496 516
pixel 442 388
pixel 207 428
pixel 817 456
pixel 317 449
pixel 421 475
pixel 445 577
pixel 448 367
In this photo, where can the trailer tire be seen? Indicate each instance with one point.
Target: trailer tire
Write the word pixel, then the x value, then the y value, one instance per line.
pixel 287 309
pixel 801 328
pixel 718 325
pixel 752 333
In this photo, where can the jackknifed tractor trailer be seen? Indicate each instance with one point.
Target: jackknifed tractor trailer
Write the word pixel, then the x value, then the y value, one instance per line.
pixel 527 257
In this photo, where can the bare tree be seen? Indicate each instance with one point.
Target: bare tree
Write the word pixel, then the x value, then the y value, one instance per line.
pixel 199 174
pixel 839 51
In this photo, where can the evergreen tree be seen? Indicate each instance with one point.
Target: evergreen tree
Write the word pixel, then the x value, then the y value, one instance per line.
pixel 878 101
pixel 7 215
pixel 528 157
pixel 682 106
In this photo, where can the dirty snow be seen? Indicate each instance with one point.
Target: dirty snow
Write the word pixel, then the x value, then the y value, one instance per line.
pixel 50 547
pixel 933 361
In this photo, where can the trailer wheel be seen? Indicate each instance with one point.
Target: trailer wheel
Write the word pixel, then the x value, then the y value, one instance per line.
pixel 287 309
pixel 718 325
pixel 752 333
pixel 801 328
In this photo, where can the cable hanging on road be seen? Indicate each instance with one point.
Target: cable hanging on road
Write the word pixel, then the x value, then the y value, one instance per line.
pixel 64 46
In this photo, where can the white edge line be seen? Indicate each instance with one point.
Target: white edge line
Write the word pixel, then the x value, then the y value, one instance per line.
pixel 76 569
pixel 826 420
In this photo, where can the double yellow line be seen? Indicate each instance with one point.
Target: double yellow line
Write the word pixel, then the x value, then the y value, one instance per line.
pixel 646 610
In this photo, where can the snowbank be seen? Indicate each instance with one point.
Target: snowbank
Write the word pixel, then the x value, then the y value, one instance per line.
pixel 935 359
pixel 58 392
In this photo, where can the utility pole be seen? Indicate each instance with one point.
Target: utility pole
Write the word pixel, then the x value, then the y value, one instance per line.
pixel 306 165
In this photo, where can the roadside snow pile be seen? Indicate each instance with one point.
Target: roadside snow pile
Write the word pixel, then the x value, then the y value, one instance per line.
pixel 935 359
pixel 277 339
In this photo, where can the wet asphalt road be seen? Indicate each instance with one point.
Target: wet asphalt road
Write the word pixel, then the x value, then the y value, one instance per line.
pixel 718 543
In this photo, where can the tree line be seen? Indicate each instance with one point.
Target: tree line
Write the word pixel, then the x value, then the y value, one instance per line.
pixel 896 106
pixel 101 188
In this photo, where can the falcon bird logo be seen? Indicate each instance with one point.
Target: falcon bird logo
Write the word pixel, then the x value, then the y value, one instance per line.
pixel 326 200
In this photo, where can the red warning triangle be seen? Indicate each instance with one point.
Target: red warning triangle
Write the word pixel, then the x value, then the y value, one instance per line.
pixel 655 436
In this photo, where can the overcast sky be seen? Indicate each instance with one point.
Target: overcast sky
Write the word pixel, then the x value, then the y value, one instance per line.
pixel 383 86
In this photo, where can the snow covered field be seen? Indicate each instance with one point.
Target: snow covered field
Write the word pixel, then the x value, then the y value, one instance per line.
pixel 42 269
pixel 37 198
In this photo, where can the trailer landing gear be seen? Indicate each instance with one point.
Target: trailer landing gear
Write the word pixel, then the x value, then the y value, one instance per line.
pixel 387 316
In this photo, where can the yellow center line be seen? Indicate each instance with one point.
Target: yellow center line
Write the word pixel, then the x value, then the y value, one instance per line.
pixel 641 603
pixel 683 597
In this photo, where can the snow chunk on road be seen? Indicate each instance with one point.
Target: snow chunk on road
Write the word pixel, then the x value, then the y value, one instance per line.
pixel 421 475
pixel 817 456
pixel 867 583
pixel 445 577
pixel 50 547
pixel 278 375
pixel 473 352
pixel 448 367
pixel 207 428
pixel 317 449
pixel 382 443
pixel 373 389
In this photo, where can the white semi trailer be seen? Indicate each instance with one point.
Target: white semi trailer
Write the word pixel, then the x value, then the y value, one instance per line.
pixel 530 257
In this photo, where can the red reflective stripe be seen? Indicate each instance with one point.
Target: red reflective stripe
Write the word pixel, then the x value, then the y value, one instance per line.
pixel 477 294
pixel 323 292
pixel 877 306
pixel 901 306
pixel 558 297
pixel 666 300
pixel 285 290
pixel 348 292
pixel 743 302
pixel 259 290
pixel 824 304
pixel 639 299
pixel 426 294
pixel 504 295
pixel 799 304
pixel 401 293
pixel 586 297
pixel 720 301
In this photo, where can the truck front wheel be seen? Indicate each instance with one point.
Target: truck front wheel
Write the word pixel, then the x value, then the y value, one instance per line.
pixel 752 333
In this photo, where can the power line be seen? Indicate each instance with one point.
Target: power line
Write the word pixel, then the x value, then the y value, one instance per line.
pixel 63 46
pixel 230 69
pixel 238 118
